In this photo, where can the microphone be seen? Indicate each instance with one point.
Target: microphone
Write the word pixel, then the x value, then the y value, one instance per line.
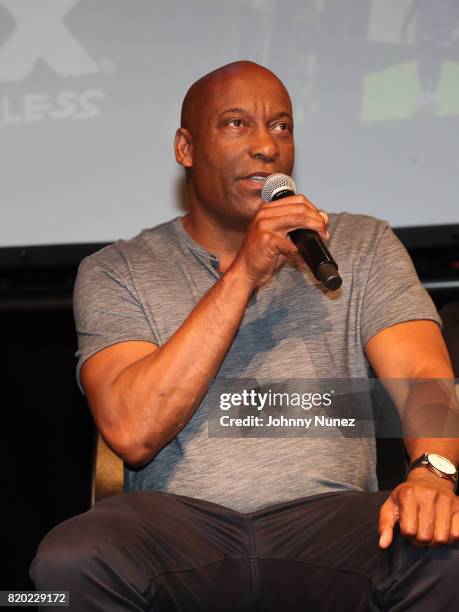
pixel 307 241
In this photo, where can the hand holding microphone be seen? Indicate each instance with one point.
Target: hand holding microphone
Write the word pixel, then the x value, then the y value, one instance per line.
pixel 308 242
pixel 266 245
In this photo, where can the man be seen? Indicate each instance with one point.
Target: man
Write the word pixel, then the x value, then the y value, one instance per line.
pixel 211 523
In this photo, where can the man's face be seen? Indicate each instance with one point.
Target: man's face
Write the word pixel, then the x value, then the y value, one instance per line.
pixel 243 133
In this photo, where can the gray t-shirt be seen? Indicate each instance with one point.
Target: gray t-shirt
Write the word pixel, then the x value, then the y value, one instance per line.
pixel 145 287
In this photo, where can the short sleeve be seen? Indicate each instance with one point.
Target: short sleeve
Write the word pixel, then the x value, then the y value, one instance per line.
pixel 393 292
pixel 106 309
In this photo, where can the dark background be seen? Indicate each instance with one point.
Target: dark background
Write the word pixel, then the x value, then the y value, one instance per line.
pixel 47 432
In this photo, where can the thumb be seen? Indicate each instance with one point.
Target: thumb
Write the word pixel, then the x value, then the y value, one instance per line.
pixel 388 516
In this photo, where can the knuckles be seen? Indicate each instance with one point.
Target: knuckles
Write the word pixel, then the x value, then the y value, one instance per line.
pixel 306 202
pixel 263 225
pixel 424 536
pixel 427 535
pixel 430 494
pixel 407 532
pixel 441 540
pixel 267 239
pixel 301 215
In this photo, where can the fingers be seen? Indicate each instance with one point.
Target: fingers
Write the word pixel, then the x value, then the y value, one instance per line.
pixel 426 521
pixel 279 207
pixel 388 515
pixel 429 515
pixel 298 198
pixel 435 521
pixel 295 212
pixel 286 247
pixel 408 514
pixel 266 243
pixel 442 528
pixel 286 250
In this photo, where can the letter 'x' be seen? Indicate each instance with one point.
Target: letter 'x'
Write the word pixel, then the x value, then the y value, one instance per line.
pixel 41 34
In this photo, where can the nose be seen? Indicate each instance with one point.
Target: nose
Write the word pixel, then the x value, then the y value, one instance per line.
pixel 263 146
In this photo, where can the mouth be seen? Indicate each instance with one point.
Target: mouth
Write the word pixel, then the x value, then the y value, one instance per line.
pixel 256 178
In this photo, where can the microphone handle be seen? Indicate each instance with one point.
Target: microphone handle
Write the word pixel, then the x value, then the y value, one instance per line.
pixel 317 256
pixel 313 251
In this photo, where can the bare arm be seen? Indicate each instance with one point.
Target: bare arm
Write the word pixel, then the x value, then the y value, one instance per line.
pixel 424 505
pixel 416 350
pixel 152 398
pixel 140 395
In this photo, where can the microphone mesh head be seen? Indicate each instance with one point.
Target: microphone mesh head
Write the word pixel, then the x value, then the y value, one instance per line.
pixel 274 183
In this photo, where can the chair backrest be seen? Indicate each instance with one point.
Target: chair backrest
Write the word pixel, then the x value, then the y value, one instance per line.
pixel 107 473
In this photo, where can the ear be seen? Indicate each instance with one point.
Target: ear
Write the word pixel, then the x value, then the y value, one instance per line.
pixel 184 148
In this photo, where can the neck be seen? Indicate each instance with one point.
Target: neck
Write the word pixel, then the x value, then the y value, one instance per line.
pixel 207 232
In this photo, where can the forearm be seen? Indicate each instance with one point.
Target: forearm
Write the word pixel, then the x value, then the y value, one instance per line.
pixel 432 411
pixel 156 396
pixel 448 447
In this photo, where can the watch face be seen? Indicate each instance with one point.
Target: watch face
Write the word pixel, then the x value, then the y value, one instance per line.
pixel 441 463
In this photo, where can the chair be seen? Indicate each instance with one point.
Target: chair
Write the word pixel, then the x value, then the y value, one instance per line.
pixel 107 473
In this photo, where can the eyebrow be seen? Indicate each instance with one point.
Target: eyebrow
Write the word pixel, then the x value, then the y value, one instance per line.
pixel 243 111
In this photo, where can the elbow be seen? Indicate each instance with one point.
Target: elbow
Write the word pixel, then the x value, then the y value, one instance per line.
pixel 135 461
pixel 136 453
pixel 137 457
pixel 133 453
pixel 127 438
pixel 130 437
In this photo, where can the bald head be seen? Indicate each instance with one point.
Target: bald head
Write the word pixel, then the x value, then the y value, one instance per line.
pixel 236 122
pixel 204 89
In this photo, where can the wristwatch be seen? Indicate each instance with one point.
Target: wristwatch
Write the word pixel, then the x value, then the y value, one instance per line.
pixel 439 465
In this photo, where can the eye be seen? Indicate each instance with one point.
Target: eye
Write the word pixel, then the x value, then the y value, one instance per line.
pixel 282 127
pixel 236 122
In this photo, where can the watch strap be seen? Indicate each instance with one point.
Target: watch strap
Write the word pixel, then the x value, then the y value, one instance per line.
pixel 423 461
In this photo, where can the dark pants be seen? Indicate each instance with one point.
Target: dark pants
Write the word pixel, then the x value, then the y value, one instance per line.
pixel 161 552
